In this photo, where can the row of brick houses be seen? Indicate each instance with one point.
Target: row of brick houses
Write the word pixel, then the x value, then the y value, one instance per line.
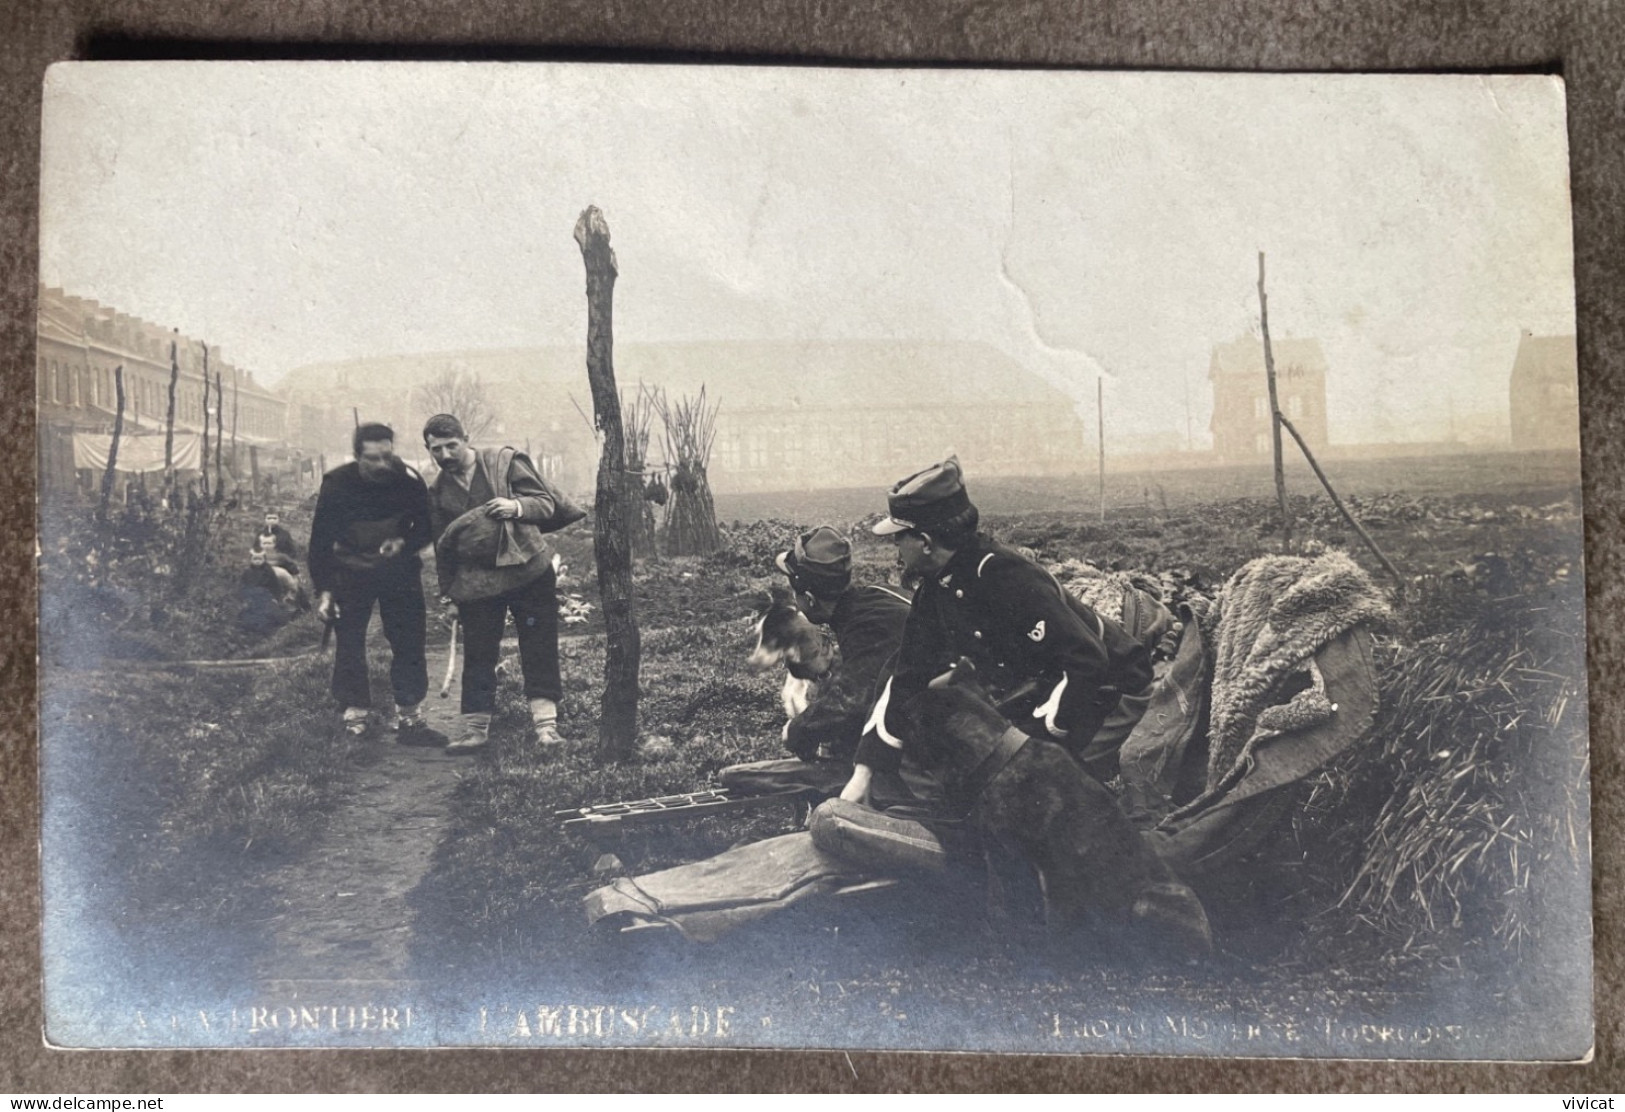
pixel 80 345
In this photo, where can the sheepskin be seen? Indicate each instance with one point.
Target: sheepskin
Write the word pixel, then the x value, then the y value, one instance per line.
pixel 1268 623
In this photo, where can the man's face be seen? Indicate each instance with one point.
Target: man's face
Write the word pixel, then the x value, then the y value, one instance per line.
pixel 257 558
pixel 450 453
pixel 376 459
pixel 912 557
pixel 267 542
pixel 817 609
pixel 271 521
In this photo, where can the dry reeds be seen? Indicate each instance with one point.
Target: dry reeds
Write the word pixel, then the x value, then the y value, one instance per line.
pixel 689 430
pixel 1465 822
pixel 637 415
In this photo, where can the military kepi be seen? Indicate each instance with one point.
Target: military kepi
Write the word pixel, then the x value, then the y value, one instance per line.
pixel 926 500
pixel 821 562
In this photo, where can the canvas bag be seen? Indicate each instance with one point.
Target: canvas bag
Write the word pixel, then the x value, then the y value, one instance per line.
pixel 490 557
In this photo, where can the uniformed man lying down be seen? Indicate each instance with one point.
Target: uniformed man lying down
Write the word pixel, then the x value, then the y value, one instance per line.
pixel 1056 670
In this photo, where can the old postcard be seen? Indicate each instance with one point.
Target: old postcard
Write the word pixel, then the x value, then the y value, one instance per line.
pixel 1061 562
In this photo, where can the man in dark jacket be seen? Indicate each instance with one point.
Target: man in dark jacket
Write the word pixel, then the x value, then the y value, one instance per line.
pixel 488 509
pixel 868 626
pixel 372 520
pixel 1056 667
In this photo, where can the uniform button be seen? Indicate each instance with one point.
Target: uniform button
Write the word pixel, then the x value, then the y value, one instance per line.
pixel 976 634
pixel 959 594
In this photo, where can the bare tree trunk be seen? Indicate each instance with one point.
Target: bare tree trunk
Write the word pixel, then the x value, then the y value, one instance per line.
pixel 203 462
pixel 112 448
pixel 169 420
pixel 1275 407
pixel 612 534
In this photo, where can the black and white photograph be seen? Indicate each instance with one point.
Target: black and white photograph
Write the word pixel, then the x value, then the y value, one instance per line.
pixel 806 557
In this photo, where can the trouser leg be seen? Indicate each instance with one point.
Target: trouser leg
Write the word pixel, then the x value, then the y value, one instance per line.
pixel 536 615
pixel 405 618
pixel 482 646
pixel 350 685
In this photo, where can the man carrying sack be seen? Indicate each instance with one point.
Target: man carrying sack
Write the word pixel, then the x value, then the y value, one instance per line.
pixel 489 510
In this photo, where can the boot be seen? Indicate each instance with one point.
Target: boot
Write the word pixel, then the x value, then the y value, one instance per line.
pixel 476 727
pixel 544 717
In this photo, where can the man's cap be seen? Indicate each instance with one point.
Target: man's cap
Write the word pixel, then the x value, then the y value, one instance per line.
pixel 820 562
pixel 926 500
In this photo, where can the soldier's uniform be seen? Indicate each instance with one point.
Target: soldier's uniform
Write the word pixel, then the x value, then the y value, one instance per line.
pixel 868 625
pixel 1056 667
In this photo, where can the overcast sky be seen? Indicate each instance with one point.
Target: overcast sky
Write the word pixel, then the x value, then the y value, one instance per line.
pixel 1087 224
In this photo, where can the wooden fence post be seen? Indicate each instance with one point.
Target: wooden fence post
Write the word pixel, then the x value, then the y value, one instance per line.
pixel 612 533
pixel 203 460
pixel 112 448
pixel 169 419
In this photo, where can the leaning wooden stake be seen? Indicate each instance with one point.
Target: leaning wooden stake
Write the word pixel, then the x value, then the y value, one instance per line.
pixel 1275 407
pixel 1342 509
pixel 612 533
pixel 112 448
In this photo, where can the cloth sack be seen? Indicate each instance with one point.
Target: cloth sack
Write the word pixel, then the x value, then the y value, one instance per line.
pixel 491 556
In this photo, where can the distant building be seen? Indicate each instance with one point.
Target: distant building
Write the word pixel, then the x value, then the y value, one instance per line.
pixel 1241 401
pixel 1545 393
pixel 81 342
pixel 793 415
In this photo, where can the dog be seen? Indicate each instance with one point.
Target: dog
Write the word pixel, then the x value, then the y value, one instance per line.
pixel 1094 868
pixel 784 635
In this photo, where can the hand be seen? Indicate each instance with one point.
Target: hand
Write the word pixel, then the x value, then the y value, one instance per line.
pixel 506 509
pixel 1168 646
pixel 326 609
pixel 857 788
pixel 392 548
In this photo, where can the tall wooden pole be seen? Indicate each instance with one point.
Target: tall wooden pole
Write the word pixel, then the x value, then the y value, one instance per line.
pixel 112 448
pixel 219 438
pixel 1275 407
pixel 169 419
pixel 203 461
pixel 612 533
pixel 236 382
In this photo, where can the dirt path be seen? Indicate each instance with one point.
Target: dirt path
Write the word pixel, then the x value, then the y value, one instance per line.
pixel 340 911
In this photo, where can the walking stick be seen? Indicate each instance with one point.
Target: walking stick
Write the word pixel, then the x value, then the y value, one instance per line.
pixel 451 661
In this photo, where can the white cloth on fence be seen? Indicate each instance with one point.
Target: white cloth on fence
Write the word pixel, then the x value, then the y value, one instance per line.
pixel 136 453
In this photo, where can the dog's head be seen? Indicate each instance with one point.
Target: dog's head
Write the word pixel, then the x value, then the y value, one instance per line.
pixel 785 636
pixel 949 725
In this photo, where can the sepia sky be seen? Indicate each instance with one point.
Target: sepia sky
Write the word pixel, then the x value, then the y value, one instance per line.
pixel 1085 223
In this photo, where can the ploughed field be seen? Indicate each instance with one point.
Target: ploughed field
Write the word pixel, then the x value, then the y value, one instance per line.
pixel 233 776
